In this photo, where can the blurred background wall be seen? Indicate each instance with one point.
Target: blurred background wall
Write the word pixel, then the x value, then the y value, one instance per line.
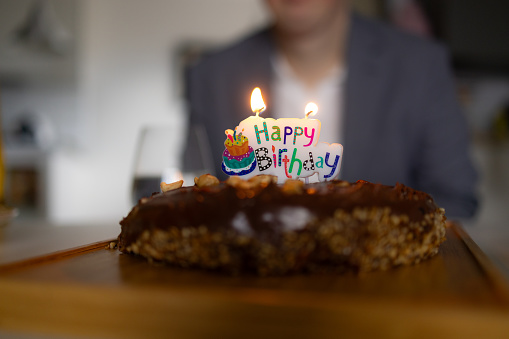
pixel 79 79
pixel 116 73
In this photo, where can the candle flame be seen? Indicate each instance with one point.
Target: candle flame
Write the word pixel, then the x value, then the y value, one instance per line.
pixel 311 109
pixel 257 104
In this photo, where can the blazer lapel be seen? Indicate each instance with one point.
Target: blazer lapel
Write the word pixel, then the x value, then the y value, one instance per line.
pixel 364 88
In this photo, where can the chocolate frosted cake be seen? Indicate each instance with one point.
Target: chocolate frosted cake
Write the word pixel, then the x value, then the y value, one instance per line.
pixel 259 226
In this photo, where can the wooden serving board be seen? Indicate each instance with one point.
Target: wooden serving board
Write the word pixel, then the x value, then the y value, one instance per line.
pixel 93 291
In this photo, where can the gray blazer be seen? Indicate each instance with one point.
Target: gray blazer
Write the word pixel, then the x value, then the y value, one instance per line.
pixel 402 120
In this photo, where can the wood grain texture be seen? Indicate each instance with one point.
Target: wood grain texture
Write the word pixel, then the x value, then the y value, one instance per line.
pixel 94 292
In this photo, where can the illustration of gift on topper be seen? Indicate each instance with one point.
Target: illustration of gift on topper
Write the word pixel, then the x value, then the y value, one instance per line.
pixel 287 148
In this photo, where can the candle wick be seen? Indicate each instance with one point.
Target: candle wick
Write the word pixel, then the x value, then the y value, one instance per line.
pixel 258 111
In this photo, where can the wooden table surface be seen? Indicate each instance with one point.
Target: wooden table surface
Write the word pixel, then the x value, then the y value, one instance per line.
pixel 91 292
pixel 28 238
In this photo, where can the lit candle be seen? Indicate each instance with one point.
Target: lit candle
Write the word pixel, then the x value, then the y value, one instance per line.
pixel 257 104
pixel 310 110
pixel 287 148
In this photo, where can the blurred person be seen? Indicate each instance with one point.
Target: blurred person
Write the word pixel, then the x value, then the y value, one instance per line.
pixel 387 96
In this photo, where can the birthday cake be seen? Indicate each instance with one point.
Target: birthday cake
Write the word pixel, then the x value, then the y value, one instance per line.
pixel 267 219
pixel 261 227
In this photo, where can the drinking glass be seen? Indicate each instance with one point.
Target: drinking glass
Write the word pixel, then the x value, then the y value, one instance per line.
pixel 156 160
pixel 198 158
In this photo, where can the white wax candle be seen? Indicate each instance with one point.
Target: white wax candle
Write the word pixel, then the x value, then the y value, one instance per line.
pixel 288 148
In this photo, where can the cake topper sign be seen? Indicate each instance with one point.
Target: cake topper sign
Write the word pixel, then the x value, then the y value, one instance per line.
pixel 287 148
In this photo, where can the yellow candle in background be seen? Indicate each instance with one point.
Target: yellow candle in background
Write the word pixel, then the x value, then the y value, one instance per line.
pixel 2 170
pixel 6 213
pixel 2 167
